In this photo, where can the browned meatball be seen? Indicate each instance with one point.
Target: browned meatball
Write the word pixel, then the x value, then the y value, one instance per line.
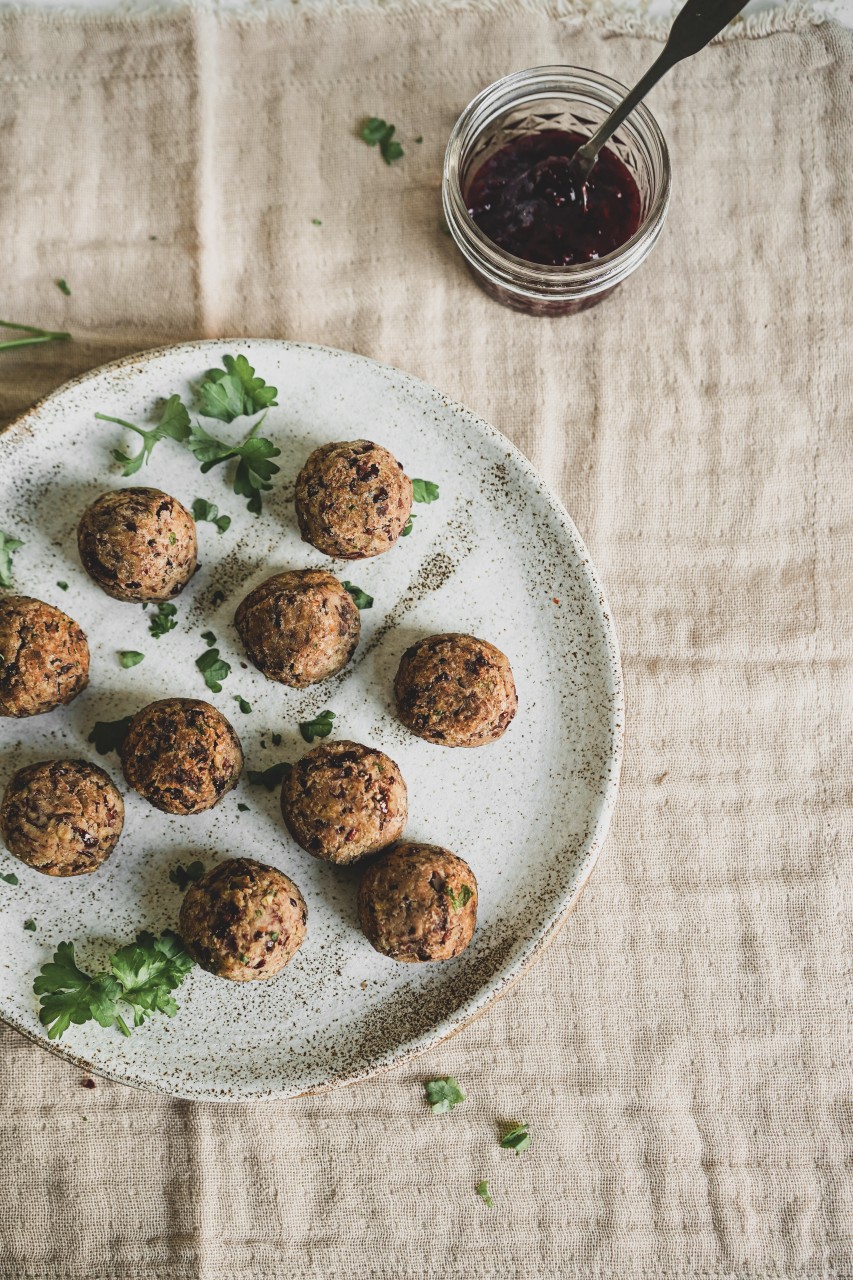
pixel 342 801
pixel 138 544
pixel 243 920
pixel 182 755
pixel 352 499
pixel 299 627
pixel 418 902
pixel 455 690
pixel 44 657
pixel 62 817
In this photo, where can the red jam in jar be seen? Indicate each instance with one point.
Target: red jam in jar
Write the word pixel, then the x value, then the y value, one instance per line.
pixel 526 200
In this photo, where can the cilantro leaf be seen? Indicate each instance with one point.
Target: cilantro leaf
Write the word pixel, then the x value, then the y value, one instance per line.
pixel 9 877
pixel 361 599
pixel 8 545
pixel 174 424
pixel 234 391
pixel 63 288
pixel 214 669
pixel 517 1139
pixel 163 620
pixel 185 876
pixel 108 735
pixel 245 707
pixel 255 468
pixel 482 1189
pixel 67 994
pixel 204 510
pixel 376 132
pixel 38 336
pixel 460 899
pixel 407 527
pixel 130 657
pixel 319 727
pixel 271 777
pixel 443 1094
pixel 424 491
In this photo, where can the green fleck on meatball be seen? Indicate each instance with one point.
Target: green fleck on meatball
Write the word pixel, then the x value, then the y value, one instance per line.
pixel 418 902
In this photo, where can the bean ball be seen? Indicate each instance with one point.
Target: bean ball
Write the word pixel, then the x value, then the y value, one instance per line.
pixel 352 499
pixel 418 902
pixel 299 627
pixel 44 657
pixel 243 920
pixel 455 690
pixel 138 544
pixel 342 801
pixel 62 817
pixel 182 755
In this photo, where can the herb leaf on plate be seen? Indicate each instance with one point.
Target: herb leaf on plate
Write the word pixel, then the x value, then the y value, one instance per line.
pixel 214 669
pixel 360 598
pixel 443 1094
pixel 255 468
pixel 130 657
pixel 208 511
pixel 234 391
pixel 163 620
pixel 8 546
pixel 149 970
pixel 245 707
pixel 9 877
pixel 407 527
pixel 271 777
pixel 108 735
pixel 424 491
pixel 185 876
pixel 319 727
pixel 174 424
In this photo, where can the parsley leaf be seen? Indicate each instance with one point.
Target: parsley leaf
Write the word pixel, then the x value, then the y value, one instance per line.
pixel 184 876
pixel 149 970
pixel 271 777
pixel 38 336
pixel 174 424
pixel 63 288
pixel 319 727
pixel 8 545
pixel 517 1139
pixel 244 706
pixel 361 598
pixel 63 586
pixel 424 491
pixel 209 638
pixel 234 391
pixel 163 620
pixel 376 132
pixel 460 899
pixel 30 926
pixel 255 469
pixel 108 735
pixel 443 1095
pixel 214 669
pixel 407 527
pixel 9 877
pixel 482 1189
pixel 204 510
pixel 242 808
pixel 130 657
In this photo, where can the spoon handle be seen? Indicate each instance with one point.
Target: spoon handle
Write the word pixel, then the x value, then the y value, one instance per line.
pixel 695 26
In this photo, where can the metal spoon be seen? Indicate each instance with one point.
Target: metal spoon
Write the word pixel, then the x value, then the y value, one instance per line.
pixel 694 27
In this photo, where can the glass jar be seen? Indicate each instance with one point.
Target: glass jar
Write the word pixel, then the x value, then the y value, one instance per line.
pixel 569 98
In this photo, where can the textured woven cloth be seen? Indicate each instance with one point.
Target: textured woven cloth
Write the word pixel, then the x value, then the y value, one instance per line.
pixel 682 1051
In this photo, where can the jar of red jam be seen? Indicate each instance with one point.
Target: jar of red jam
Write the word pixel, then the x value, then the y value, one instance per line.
pixel 531 237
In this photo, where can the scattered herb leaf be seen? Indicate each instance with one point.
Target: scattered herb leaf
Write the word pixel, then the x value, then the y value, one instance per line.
pixel 482 1189
pixel 245 707
pixel 204 510
pixel 242 808
pixel 319 727
pixel 9 877
pixel 130 657
pixel 255 469
pixel 517 1139
pixel 38 336
pixel 184 876
pixel 317 222
pixel 276 739
pixel 8 546
pixel 108 735
pixel 63 586
pixel 443 1094
pixel 217 598
pixel 163 620
pixel 30 926
pixel 419 139
pixel 376 132
pixel 174 424
pixel 214 669
pixel 271 777
pixel 424 491
pixel 63 288
pixel 234 391
pixel 209 638
pixel 460 899
pixel 407 527
pixel 361 598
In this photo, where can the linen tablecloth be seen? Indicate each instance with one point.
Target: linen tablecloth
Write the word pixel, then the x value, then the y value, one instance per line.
pixel 682 1051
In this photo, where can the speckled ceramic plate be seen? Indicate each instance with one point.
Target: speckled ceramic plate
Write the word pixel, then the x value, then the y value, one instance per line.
pixel 496 555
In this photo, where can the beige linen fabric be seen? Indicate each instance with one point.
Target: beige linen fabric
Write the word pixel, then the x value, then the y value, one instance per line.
pixel 682 1052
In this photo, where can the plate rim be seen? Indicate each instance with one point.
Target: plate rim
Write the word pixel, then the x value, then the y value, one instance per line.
pixel 506 976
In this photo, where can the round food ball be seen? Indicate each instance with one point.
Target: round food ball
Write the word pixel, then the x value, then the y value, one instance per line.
pixel 342 801
pixel 62 817
pixel 418 902
pixel 299 627
pixel 182 755
pixel 138 544
pixel 352 499
pixel 44 657
pixel 243 920
pixel 455 690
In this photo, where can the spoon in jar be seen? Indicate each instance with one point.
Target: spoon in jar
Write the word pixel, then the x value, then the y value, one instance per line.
pixel 694 27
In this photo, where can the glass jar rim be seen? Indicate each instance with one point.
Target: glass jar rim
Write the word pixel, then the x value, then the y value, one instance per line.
pixel 582 277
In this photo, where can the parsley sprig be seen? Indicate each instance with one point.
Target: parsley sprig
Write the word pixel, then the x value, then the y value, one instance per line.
pixel 140 982
pixel 482 1189
pixel 255 468
pixel 234 392
pixel 164 620
pixel 38 336
pixel 8 546
pixel 174 424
